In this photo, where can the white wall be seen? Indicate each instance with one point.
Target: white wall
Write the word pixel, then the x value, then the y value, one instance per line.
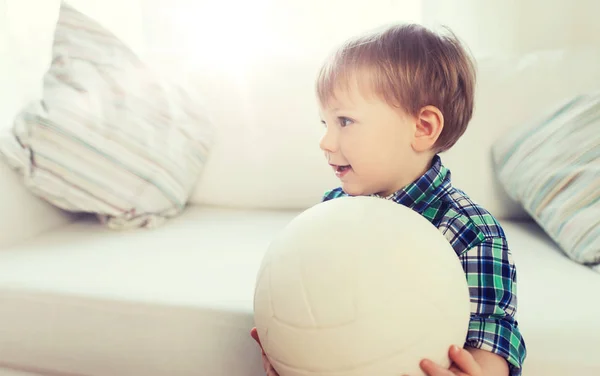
pixel 26 42
pixel 241 32
pixel 551 24
pixel 255 63
pixel 122 17
pixel 517 26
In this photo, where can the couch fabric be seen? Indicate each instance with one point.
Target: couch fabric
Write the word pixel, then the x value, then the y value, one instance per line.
pixel 178 299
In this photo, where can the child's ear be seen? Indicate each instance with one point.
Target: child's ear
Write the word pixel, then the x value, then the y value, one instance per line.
pixel 430 122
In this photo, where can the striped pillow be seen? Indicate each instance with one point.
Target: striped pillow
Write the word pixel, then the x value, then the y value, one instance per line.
pixel 552 167
pixel 109 136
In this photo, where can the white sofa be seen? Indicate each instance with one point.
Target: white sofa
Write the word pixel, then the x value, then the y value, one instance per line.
pixel 79 299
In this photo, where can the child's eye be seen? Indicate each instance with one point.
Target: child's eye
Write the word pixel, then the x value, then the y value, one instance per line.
pixel 344 121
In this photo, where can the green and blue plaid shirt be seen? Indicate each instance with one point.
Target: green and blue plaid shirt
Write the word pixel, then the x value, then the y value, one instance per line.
pixel 481 246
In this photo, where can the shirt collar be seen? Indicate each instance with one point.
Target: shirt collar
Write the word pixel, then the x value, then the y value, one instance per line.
pixel 428 188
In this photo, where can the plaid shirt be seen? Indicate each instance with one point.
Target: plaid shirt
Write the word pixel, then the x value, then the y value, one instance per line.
pixel 481 246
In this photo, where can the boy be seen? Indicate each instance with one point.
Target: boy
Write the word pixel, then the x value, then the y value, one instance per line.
pixel 390 102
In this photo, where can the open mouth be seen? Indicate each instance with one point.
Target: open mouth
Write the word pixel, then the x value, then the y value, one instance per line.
pixel 341 170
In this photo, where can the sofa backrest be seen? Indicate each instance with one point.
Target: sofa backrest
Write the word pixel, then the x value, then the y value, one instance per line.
pixel 267 153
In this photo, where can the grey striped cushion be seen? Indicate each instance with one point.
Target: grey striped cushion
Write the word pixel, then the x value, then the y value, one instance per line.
pixel 109 136
pixel 552 167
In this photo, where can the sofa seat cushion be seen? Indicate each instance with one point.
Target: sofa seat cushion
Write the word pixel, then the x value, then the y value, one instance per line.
pixel 171 301
pixel 13 372
pixel 177 300
pixel 558 307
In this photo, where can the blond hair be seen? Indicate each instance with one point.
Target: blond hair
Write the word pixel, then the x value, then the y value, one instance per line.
pixel 410 67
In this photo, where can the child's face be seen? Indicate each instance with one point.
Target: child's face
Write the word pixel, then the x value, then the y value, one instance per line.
pixel 368 144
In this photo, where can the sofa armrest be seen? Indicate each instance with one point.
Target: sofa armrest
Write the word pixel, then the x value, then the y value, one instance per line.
pixel 23 215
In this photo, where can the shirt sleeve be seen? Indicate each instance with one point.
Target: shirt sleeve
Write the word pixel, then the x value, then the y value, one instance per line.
pixel 491 276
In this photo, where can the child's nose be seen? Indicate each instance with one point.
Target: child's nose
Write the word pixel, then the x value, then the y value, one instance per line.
pixel 329 141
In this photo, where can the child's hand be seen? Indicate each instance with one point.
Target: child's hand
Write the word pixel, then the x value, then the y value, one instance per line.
pixel 463 364
pixel 266 364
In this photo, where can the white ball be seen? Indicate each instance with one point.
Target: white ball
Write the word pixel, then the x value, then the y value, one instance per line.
pixel 360 286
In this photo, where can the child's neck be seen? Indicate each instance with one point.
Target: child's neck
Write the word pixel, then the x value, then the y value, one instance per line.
pixel 419 168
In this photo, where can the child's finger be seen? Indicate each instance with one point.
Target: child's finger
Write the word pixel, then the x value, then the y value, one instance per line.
pixel 254 334
pixel 271 371
pixel 464 361
pixel 432 369
pixel 266 364
pixel 269 367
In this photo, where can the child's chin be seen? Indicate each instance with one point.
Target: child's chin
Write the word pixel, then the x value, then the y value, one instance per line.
pixel 354 190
